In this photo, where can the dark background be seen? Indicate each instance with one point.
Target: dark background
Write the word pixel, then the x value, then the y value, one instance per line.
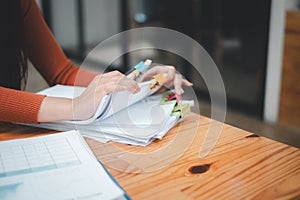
pixel 233 32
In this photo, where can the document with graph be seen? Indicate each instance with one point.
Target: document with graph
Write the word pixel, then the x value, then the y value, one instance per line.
pixel 56 166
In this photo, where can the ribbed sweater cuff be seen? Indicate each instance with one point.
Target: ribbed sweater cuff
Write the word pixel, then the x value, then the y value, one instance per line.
pixel 19 106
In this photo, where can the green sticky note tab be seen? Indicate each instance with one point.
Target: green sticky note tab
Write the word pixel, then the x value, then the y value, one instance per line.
pixel 181 109
pixel 176 114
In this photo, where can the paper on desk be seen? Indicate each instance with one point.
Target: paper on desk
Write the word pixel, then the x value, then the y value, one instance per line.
pixel 72 171
pixel 138 124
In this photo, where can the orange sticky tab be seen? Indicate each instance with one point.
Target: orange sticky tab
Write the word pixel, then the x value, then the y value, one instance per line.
pixel 160 78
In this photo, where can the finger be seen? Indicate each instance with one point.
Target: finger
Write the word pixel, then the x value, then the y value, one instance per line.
pixel 129 84
pixel 107 77
pixel 169 70
pixel 110 88
pixel 117 82
pixel 133 88
pixel 148 75
pixel 187 83
pixel 168 84
pixel 183 82
pixel 177 84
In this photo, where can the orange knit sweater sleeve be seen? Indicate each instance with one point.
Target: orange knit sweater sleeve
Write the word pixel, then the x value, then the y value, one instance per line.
pixel 49 60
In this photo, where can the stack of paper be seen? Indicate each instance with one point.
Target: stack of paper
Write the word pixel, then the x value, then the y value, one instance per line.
pixel 135 119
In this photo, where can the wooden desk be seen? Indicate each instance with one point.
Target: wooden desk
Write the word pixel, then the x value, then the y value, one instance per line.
pixel 241 166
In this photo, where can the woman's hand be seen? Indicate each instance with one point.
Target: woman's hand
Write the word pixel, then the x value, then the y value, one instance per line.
pixel 84 106
pixel 173 78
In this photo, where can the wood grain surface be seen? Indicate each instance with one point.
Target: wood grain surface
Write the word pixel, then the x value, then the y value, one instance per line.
pixel 241 165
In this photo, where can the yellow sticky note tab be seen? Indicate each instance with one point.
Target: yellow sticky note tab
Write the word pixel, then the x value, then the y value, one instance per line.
pixel 136 73
pixel 185 109
pixel 158 80
pixel 181 109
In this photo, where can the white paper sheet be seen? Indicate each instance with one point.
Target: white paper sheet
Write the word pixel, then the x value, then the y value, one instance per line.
pixel 56 166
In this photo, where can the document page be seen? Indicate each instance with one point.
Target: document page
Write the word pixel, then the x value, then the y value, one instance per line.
pixel 56 166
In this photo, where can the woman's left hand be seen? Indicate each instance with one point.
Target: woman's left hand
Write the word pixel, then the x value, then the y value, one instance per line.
pixel 173 78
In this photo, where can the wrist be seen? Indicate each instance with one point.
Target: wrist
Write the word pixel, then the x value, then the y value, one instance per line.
pixel 55 109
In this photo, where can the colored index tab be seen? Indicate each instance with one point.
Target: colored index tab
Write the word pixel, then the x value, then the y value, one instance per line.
pixel 158 80
pixel 181 109
pixel 138 69
pixel 143 66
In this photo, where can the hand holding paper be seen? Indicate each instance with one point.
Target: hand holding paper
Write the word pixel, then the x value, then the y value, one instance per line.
pixel 173 79
pixel 117 108
pixel 87 103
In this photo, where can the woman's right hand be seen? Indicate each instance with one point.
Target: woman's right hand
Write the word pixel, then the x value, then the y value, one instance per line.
pixel 84 106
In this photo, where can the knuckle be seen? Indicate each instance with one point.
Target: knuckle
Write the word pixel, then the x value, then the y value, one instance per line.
pixel 172 68
pixel 116 72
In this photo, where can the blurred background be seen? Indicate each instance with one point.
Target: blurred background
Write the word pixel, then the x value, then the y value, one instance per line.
pixel 255 45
